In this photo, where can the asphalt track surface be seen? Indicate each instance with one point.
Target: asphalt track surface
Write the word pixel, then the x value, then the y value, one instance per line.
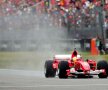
pixel 35 80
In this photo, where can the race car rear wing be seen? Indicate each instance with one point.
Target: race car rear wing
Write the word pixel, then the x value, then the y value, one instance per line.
pixel 63 57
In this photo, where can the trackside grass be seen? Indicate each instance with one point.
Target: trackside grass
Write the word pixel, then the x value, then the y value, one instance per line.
pixel 34 60
pixel 87 55
pixel 21 60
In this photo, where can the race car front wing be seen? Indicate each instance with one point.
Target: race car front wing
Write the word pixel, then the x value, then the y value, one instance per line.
pixel 72 71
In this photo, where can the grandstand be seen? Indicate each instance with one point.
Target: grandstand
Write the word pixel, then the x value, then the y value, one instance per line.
pixel 22 28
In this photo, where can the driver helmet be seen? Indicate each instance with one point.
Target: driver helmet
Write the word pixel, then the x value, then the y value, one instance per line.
pixel 74 59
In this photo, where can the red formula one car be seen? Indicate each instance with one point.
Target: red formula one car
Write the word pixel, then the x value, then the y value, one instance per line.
pixel 74 66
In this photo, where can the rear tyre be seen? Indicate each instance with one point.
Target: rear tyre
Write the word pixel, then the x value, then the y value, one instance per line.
pixel 102 65
pixel 63 66
pixel 49 70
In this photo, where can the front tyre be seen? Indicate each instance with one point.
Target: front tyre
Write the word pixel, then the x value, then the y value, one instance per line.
pixel 63 66
pixel 102 65
pixel 49 70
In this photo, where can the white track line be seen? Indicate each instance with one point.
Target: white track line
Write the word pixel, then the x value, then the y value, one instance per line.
pixel 54 86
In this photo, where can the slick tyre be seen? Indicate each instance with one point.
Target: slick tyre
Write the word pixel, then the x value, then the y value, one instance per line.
pixel 49 70
pixel 63 66
pixel 102 65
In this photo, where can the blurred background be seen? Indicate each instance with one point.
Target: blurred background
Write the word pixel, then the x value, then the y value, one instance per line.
pixel 32 31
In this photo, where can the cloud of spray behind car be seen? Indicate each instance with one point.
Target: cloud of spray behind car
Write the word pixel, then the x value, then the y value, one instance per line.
pixel 31 33
pixel 28 28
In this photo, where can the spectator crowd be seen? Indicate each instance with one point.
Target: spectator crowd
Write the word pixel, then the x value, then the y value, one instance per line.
pixel 8 7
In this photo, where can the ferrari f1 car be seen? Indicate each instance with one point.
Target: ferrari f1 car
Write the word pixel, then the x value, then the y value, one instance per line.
pixel 74 65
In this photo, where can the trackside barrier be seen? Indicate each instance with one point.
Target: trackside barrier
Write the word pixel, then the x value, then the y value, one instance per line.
pixel 94 50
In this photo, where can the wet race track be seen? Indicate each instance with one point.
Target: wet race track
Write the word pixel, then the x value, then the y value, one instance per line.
pixel 35 80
